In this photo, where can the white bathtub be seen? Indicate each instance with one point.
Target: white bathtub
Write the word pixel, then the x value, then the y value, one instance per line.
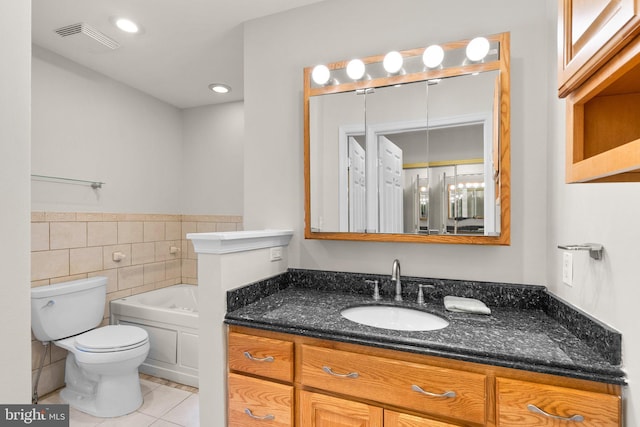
pixel 170 316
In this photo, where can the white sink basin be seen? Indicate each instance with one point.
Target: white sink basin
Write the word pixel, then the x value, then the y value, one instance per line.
pixel 396 318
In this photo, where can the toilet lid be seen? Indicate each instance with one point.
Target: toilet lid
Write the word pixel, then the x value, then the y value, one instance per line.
pixel 111 338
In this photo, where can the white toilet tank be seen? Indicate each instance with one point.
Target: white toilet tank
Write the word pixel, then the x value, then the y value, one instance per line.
pixel 68 308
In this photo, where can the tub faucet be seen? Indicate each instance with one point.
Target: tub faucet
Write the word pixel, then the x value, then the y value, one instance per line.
pixel 395 275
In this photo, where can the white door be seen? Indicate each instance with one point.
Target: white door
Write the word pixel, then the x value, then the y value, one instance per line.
pixel 390 186
pixel 357 187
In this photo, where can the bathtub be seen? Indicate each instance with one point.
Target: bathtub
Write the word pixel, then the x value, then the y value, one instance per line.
pixel 170 316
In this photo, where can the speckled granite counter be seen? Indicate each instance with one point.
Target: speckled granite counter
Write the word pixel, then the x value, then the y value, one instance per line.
pixel 528 328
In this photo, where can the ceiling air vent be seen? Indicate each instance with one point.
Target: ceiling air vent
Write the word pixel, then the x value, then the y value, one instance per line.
pixel 92 33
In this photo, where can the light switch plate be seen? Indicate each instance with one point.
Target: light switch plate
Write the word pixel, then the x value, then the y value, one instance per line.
pixel 567 268
pixel 275 254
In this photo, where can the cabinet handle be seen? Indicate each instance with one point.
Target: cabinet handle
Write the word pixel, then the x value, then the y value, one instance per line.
pixel 267 417
pixel 349 375
pixel 258 359
pixel 427 393
pixel 534 408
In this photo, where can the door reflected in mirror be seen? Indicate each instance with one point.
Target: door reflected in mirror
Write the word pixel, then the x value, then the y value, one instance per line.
pixel 413 161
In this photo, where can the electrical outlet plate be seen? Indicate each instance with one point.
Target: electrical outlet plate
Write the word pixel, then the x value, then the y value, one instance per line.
pixel 567 268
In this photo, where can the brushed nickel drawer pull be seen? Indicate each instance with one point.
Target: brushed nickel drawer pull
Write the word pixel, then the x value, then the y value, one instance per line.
pixel 427 393
pixel 534 408
pixel 349 375
pixel 258 359
pixel 267 417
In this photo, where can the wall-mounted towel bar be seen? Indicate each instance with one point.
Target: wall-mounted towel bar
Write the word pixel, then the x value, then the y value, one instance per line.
pixel 595 249
pixel 93 184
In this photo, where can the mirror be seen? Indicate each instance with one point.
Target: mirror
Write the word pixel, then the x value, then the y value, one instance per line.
pixel 420 155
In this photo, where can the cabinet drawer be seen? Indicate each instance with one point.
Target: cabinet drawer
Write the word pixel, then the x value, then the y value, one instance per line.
pixel 518 400
pixel 396 419
pixel 254 402
pixel 423 388
pixel 261 356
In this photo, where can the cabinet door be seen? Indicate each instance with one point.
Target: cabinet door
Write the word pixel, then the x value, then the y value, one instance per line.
pixel 590 32
pixel 397 419
pixel 254 402
pixel 318 410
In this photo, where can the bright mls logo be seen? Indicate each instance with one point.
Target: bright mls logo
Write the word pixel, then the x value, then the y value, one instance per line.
pixel 34 415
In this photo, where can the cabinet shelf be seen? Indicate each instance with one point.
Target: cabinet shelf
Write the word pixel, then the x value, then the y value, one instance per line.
pixel 603 132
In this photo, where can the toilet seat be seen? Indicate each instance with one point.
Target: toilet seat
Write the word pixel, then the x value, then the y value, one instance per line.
pixel 111 338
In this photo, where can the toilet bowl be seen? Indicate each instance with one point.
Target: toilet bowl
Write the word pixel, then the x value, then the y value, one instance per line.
pixel 101 370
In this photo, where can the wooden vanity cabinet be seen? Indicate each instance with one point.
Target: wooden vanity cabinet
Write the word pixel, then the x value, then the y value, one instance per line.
pixel 599 73
pixel 590 32
pixel 340 384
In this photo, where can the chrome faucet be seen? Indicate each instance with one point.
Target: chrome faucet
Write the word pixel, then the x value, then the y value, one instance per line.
pixel 395 275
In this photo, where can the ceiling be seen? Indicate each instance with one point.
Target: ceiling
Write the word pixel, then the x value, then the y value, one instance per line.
pixel 185 45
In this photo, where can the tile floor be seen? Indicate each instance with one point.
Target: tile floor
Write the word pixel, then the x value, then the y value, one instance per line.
pixel 166 404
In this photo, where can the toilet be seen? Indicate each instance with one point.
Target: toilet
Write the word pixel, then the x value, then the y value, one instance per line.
pixel 101 371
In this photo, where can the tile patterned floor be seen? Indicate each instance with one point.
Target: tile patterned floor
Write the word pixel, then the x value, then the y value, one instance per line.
pixel 166 404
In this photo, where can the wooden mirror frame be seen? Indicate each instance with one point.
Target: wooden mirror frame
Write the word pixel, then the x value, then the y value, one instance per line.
pixel 504 168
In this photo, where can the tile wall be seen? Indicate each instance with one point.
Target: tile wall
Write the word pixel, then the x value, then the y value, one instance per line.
pixel 74 245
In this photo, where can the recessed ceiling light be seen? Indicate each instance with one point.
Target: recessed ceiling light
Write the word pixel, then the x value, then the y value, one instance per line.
pixel 220 88
pixel 127 25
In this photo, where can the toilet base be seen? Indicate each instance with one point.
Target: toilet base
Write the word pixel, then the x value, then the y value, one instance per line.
pixel 103 396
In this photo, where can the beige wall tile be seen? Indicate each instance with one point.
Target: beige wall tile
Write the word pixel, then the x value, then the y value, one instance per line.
pixel 37 353
pixel 68 235
pixel 49 264
pixel 189 268
pixel 108 251
pixel 226 226
pixel 173 269
pixel 142 253
pixel 172 230
pixel 205 227
pixel 142 289
pixel 102 233
pixel 154 272
pixel 188 227
pixel 84 260
pixel 56 353
pixel 130 232
pixel 51 378
pixel 153 231
pixel 112 278
pixel 37 283
pixel 168 282
pixel 68 278
pixel 39 236
pixel 89 216
pixel 38 216
pixel 60 216
pixel 130 277
pixel 163 250
pixel 190 280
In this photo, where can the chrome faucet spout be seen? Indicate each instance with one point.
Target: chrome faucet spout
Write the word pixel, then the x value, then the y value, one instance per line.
pixel 395 276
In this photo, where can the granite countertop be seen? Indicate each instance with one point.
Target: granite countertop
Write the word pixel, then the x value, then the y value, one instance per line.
pixel 514 335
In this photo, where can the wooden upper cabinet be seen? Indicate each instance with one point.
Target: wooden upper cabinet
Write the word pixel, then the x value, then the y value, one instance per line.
pixel 590 32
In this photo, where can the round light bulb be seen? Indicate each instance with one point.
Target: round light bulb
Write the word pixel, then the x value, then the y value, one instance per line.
pixel 392 62
pixel 433 56
pixel 477 49
pixel 321 74
pixel 355 69
pixel 127 25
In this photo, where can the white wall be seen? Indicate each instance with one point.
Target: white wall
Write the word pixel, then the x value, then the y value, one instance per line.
pixel 88 126
pixel 212 159
pixel 15 357
pixel 274 126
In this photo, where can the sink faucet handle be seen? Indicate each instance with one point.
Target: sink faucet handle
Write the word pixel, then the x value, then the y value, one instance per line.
pixel 421 292
pixel 376 289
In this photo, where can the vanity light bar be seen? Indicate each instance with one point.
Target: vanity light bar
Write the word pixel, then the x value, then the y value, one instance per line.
pixel 395 63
